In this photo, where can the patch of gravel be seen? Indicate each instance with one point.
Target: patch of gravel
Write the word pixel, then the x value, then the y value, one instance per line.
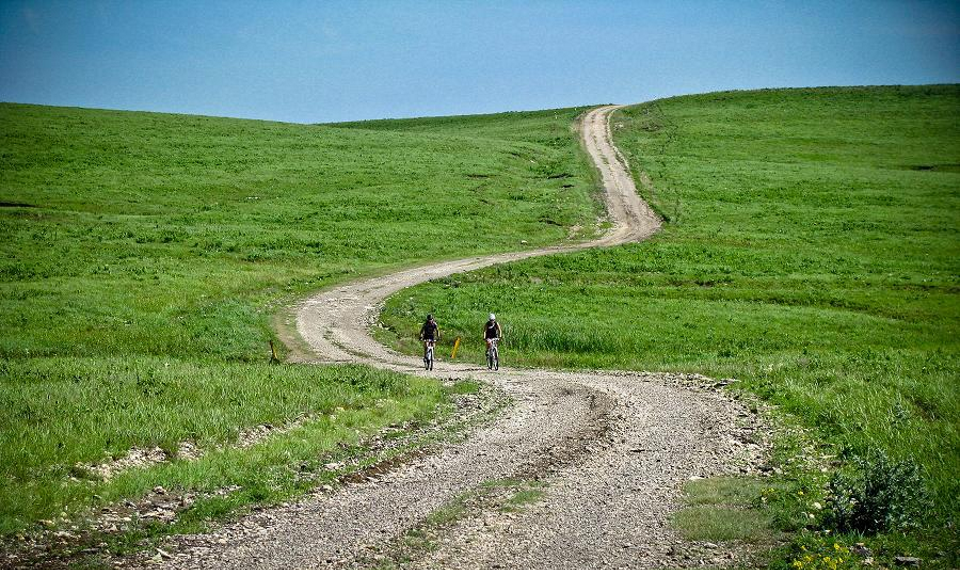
pixel 135 458
pixel 611 508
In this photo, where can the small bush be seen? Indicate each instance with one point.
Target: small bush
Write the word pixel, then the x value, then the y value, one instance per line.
pixel 876 495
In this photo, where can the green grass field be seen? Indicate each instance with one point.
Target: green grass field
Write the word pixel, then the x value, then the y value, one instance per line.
pixel 144 255
pixel 811 249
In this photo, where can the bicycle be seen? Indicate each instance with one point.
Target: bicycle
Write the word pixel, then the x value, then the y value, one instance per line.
pixel 493 355
pixel 428 354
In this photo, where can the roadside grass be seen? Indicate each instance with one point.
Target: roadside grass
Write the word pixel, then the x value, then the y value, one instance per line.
pixel 719 524
pixel 810 250
pixel 722 509
pixel 146 255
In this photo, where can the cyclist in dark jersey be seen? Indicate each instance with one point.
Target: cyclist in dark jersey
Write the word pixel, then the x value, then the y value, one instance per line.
pixel 492 330
pixel 429 332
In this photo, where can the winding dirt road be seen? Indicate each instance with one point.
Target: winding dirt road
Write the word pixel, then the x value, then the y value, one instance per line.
pixel 607 450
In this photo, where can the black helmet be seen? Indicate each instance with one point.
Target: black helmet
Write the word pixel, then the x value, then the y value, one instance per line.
pixel 430 317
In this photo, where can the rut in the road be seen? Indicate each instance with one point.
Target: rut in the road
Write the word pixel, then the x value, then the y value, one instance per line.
pixel 611 449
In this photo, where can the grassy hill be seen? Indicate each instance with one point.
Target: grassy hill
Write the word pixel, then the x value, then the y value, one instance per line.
pixel 143 256
pixel 811 249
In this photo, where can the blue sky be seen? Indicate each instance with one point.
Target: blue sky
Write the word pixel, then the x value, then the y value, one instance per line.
pixel 331 61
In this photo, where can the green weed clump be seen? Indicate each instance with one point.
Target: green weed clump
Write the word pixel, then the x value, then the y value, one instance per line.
pixel 874 494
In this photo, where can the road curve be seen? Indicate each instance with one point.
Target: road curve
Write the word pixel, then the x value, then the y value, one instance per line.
pixel 335 322
pixel 610 448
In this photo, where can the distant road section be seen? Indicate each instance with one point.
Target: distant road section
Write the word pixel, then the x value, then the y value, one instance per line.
pixel 335 322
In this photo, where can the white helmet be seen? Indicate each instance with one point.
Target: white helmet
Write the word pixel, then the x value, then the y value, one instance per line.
pixel 493 317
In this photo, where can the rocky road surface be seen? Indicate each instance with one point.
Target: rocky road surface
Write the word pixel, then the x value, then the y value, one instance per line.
pixel 607 451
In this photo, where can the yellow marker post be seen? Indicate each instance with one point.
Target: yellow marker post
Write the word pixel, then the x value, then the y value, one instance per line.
pixel 456 345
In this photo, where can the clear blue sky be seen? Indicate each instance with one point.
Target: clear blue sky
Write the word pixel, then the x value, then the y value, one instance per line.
pixel 330 61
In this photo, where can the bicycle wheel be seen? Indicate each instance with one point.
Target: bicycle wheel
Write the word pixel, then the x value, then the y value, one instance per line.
pixel 496 359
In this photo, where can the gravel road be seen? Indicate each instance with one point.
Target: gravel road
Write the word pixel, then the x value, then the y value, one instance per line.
pixel 607 450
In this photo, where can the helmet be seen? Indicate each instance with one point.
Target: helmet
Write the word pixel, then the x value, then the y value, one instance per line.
pixel 493 317
pixel 430 317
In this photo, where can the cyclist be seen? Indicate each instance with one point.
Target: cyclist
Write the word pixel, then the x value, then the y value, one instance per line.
pixel 492 330
pixel 429 333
